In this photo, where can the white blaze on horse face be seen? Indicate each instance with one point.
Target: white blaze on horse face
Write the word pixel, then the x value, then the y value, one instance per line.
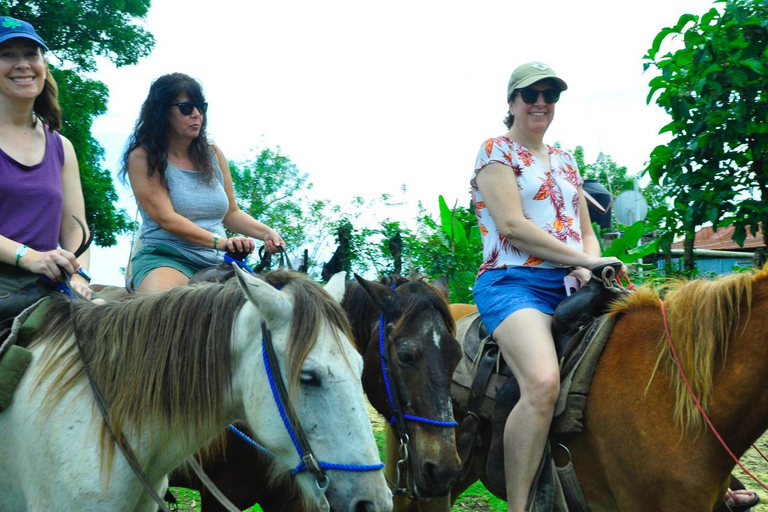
pixel 436 338
pixel 335 286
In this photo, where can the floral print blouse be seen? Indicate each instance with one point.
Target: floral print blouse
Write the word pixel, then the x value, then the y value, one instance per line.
pixel 549 196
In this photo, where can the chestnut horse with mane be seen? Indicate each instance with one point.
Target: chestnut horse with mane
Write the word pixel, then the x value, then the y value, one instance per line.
pixel 645 444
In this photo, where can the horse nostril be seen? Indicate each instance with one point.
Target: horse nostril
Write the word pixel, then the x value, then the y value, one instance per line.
pixel 439 478
pixel 364 506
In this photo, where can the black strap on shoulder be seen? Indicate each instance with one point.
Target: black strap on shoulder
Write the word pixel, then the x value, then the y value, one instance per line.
pixel 120 440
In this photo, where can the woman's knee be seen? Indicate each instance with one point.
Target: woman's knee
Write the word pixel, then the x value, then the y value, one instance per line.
pixel 162 278
pixel 541 389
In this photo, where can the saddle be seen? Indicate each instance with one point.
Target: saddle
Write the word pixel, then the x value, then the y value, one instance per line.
pixel 484 382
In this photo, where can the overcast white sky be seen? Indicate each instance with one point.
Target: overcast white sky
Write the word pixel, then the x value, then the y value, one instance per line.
pixel 366 97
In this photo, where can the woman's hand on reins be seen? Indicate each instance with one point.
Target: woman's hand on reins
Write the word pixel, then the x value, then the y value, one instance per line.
pixel 238 244
pixel 273 242
pixel 48 263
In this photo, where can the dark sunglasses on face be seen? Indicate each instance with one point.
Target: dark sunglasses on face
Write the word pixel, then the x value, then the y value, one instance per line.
pixel 530 96
pixel 186 108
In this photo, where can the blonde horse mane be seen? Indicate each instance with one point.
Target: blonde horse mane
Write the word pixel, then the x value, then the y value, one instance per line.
pixel 703 316
pixel 165 359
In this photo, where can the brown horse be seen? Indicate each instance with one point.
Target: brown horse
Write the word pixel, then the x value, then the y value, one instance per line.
pixel 645 445
pixel 421 355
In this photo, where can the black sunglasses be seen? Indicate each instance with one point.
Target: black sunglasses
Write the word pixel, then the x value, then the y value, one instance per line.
pixel 186 108
pixel 530 96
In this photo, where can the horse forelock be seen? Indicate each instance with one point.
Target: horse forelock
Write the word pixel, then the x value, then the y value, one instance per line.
pixel 162 357
pixel 420 298
pixel 312 306
pixel 703 316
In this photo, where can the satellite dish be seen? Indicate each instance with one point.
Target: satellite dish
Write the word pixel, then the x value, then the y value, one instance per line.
pixel 630 207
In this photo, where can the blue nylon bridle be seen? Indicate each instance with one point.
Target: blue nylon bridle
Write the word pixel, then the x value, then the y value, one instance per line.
pixel 398 418
pixel 393 420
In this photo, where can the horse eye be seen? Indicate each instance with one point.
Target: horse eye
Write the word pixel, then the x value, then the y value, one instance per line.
pixel 309 379
pixel 406 357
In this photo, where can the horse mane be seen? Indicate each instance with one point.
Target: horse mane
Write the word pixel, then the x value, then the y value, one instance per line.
pixel 166 357
pixel 361 306
pixel 703 316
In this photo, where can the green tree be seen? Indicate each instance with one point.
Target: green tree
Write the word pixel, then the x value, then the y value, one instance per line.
pixel 76 32
pixel 272 189
pixel 715 89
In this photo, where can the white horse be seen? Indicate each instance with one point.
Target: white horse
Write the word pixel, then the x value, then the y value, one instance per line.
pixel 176 368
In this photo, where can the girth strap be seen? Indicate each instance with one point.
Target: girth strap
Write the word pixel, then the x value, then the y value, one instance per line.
pixel 574 496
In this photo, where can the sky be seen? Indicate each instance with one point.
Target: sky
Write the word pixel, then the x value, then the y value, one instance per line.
pixel 368 98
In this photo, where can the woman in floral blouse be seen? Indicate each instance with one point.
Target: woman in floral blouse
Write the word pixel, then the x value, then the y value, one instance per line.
pixel 536 230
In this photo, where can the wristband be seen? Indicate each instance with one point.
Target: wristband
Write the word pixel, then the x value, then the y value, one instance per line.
pixel 21 251
pixel 215 242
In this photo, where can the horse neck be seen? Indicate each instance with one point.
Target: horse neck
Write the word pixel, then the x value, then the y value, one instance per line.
pixel 363 315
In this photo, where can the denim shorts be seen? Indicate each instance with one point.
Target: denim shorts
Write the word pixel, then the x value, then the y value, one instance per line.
pixel 500 292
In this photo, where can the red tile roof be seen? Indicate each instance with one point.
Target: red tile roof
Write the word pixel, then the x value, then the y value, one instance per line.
pixel 722 239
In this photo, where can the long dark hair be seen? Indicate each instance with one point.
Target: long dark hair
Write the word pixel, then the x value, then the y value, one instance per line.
pixel 47 106
pixel 151 130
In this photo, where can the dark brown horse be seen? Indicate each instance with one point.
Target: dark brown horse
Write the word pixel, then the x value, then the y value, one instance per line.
pixel 421 355
pixel 645 445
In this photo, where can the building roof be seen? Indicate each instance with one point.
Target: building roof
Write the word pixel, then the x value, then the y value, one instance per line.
pixel 722 239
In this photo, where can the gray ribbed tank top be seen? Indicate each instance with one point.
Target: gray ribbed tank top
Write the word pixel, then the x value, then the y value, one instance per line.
pixel 204 204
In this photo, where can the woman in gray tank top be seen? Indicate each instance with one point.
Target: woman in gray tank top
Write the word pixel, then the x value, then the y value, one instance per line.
pixel 184 190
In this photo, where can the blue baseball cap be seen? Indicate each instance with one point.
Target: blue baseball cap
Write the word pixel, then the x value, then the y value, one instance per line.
pixel 11 28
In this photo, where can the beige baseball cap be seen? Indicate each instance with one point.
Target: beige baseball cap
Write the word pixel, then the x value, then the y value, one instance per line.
pixel 530 73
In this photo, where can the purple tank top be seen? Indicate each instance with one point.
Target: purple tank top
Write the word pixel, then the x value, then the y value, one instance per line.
pixel 31 197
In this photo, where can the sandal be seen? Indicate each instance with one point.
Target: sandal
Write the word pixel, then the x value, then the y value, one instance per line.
pixel 737 501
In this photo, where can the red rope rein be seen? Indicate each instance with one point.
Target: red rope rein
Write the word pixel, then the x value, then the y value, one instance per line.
pixel 698 404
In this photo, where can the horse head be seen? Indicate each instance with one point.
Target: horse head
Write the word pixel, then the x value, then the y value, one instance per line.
pixel 322 371
pixel 409 327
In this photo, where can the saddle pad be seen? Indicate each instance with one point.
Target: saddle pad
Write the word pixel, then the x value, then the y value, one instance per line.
pixel 575 382
pixel 12 367
pixel 464 375
pixel 14 359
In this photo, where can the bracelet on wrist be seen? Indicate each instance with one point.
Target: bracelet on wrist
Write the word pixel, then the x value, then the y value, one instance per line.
pixel 216 243
pixel 20 252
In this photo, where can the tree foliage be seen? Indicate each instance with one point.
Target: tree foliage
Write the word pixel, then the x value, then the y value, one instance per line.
pixel 271 189
pixel 76 32
pixel 715 88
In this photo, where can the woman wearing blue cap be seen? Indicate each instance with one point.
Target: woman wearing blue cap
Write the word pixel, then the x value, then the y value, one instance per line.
pixel 40 187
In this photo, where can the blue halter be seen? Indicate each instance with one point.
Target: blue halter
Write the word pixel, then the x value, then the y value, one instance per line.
pixel 392 401
pixel 303 456
pixel 302 465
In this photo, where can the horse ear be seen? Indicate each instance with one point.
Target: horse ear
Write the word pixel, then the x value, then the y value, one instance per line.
pixel 270 302
pixel 381 295
pixel 336 286
pixel 441 283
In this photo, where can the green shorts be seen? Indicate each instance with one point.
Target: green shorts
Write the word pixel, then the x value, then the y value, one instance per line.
pixel 156 256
